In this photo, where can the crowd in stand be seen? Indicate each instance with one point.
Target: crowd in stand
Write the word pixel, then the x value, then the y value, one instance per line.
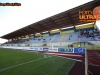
pixel 16 41
pixel 70 46
pixel 94 33
pixel 25 40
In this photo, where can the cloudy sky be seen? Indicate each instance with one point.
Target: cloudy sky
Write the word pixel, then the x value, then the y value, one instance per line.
pixel 30 11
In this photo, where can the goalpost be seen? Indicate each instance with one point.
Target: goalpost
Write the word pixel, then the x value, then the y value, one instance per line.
pixel 86 63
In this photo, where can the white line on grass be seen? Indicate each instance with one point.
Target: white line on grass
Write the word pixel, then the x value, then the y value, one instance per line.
pixel 22 64
pixel 69 58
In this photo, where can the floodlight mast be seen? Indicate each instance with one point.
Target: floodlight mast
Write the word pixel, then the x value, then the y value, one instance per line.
pixel 86 63
pixel 79 36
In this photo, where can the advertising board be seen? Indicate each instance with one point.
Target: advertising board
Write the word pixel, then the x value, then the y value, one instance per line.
pixel 79 50
pixel 45 49
pixel 53 49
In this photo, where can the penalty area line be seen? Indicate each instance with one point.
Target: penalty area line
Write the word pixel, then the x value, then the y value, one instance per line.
pixel 22 64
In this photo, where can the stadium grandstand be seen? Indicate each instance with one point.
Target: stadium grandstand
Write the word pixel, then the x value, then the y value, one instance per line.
pixel 60 35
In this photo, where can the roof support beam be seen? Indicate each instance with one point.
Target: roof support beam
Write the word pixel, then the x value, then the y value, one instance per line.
pixel 36 31
pixel 71 19
pixel 16 36
pixel 10 37
pixel 97 4
pixel 19 35
pixel 56 26
pixel 29 32
pixel 31 29
pixel 43 27
pixel 22 32
pixel 61 20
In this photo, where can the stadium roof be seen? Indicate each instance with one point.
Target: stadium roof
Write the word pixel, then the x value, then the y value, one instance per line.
pixel 61 20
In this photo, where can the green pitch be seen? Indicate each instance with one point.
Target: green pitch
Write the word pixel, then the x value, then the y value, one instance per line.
pixel 17 62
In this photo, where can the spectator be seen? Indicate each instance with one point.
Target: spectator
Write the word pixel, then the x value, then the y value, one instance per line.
pixel 72 45
pixel 84 43
pixel 84 32
pixel 68 46
pixel 94 30
pixel 99 37
pixel 94 39
pixel 69 38
pixel 78 45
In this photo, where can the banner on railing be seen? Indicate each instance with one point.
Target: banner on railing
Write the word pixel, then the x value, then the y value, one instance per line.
pixel 45 49
pixel 65 50
pixel 79 50
pixel 33 48
pixel 53 49
pixel 40 49
pixel 72 50
pixel 61 50
pixel 69 50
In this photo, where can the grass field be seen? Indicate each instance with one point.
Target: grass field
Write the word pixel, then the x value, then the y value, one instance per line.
pixel 17 62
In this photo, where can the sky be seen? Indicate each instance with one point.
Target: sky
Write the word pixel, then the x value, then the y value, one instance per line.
pixel 31 11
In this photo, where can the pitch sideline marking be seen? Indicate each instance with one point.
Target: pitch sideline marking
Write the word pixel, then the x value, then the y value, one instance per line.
pixel 22 64
pixel 68 58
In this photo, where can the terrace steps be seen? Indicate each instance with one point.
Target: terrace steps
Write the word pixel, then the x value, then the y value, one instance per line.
pixel 63 38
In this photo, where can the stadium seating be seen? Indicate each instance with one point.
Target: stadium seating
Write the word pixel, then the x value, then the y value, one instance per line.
pixel 58 40
pixel 64 37
pixel 73 37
